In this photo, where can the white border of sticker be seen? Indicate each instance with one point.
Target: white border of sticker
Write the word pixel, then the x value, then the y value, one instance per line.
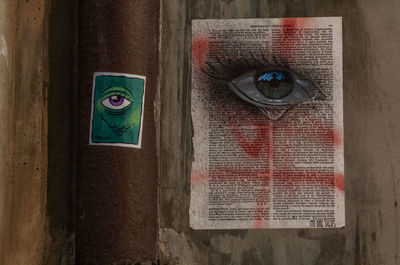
pixel 139 145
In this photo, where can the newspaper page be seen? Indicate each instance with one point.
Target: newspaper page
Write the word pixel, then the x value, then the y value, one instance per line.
pixel 267 113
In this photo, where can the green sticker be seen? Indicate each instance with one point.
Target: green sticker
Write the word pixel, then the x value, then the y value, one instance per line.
pixel 117 109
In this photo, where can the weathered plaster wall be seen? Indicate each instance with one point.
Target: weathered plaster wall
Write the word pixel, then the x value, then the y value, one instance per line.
pixel 372 146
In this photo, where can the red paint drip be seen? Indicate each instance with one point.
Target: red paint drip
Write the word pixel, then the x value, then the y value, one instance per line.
pixel 323 178
pixel 261 207
pixel 337 140
pixel 289 36
pixel 325 132
pixel 224 173
pixel 200 48
pixel 339 181
pixel 198 177
pixel 289 22
pixel 292 23
pixel 255 147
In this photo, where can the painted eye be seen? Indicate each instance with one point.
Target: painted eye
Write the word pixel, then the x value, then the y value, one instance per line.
pixel 116 102
pixel 275 90
pixel 272 87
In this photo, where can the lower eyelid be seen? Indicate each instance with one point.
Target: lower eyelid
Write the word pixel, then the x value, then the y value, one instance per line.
pixel 116 111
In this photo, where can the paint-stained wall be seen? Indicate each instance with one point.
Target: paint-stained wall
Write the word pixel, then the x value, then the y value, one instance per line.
pixel 371 235
pixel 371 112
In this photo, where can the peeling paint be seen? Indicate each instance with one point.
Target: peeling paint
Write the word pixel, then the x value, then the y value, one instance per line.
pixel 3 48
pixel 175 247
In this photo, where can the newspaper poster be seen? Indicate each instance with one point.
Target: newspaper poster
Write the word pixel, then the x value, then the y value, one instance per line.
pixel 267 113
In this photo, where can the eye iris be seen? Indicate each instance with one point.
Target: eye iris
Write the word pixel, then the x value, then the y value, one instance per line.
pixel 275 84
pixel 116 100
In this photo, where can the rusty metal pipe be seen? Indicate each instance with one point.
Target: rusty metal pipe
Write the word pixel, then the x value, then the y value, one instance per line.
pixel 117 186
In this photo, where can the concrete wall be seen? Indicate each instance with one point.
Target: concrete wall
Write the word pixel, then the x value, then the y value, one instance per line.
pixel 372 146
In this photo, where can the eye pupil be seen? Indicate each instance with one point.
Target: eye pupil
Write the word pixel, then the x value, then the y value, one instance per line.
pixel 116 100
pixel 275 84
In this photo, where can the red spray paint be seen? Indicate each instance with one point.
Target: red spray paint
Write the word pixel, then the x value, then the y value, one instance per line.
pixel 260 146
pixel 200 48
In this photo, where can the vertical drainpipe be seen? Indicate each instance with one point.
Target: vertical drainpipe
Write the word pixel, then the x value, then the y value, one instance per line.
pixel 117 191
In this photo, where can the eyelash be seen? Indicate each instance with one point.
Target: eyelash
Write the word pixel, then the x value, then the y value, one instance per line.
pixel 225 68
pixel 232 68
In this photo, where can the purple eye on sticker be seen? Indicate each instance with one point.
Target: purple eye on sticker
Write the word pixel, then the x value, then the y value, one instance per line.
pixel 116 102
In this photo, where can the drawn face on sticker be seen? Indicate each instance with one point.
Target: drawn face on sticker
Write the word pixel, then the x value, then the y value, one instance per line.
pixel 117 109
